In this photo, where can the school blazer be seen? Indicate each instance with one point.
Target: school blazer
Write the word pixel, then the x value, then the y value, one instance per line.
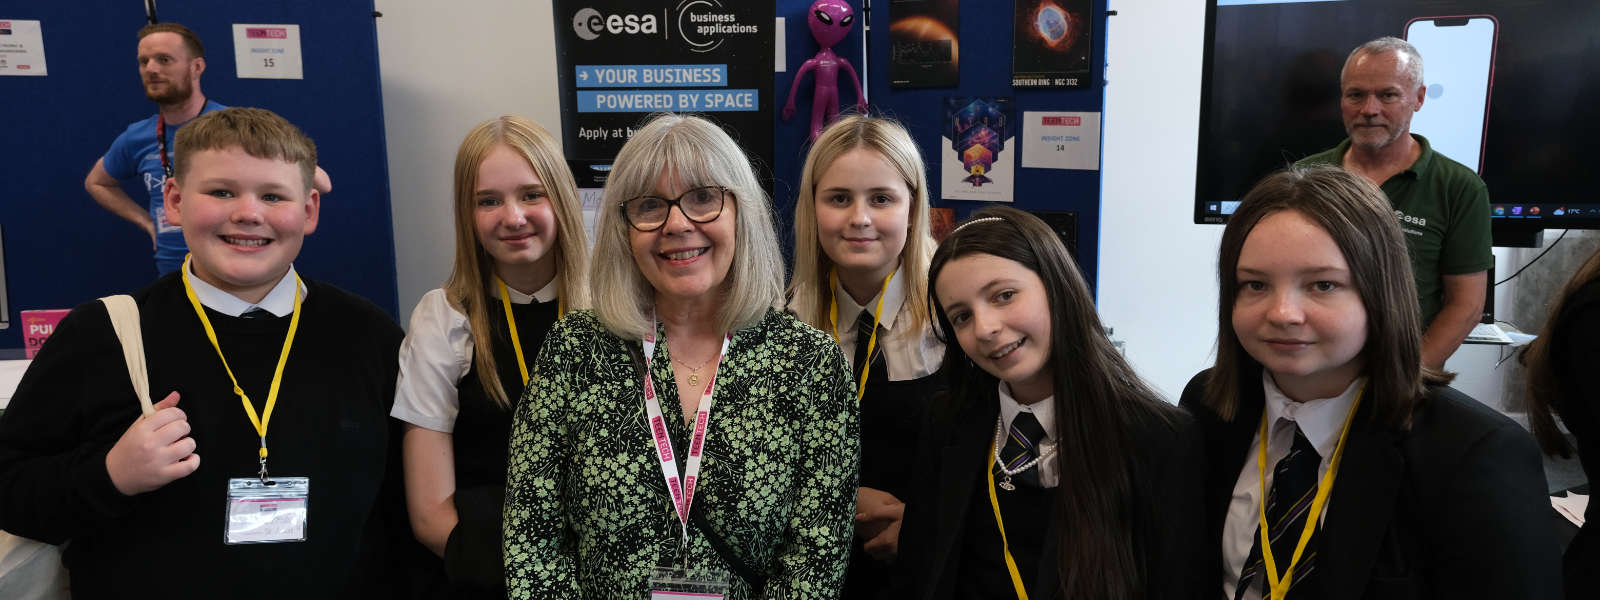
pixel 1456 507
pixel 1166 474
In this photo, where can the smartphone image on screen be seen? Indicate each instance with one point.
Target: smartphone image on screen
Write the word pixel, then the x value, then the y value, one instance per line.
pixel 1458 68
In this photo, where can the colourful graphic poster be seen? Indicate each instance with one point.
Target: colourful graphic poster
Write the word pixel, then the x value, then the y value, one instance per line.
pixel 978 150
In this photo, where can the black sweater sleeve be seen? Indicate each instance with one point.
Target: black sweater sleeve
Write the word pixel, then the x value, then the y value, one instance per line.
pixel 70 408
pixel 390 561
pixel 472 556
pixel 1172 498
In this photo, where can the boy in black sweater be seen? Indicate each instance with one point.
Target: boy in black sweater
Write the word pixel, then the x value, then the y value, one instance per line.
pixel 259 360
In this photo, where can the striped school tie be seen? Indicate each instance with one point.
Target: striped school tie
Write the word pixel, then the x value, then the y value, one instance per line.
pixel 1022 445
pixel 1294 485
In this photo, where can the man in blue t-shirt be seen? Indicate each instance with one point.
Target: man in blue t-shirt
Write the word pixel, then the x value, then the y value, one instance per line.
pixel 171 61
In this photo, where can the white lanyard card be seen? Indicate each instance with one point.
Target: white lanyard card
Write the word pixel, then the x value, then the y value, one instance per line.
pixel 267 511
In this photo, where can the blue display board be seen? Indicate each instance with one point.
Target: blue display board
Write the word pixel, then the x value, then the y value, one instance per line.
pixel 62 249
pixel 985 56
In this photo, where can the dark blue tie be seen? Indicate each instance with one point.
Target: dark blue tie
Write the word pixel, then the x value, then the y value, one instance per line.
pixel 1022 445
pixel 1294 486
pixel 880 371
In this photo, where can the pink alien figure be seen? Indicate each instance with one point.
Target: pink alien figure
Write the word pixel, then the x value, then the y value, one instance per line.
pixel 830 22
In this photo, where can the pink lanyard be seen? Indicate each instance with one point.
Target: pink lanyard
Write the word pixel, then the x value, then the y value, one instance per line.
pixel 161 139
pixel 682 494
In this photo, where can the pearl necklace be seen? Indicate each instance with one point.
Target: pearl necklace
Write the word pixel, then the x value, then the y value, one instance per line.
pixel 1006 484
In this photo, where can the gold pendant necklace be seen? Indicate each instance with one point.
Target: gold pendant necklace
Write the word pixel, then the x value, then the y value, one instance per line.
pixel 694 372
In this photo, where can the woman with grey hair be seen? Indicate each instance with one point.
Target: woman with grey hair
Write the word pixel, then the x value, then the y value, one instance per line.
pixel 611 493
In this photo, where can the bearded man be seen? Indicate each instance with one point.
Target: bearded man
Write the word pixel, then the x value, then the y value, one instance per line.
pixel 171 61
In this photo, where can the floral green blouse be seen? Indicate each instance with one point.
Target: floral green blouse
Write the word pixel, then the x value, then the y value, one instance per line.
pixel 587 514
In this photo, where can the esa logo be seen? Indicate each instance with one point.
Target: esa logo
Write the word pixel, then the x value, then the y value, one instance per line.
pixel 1405 218
pixel 589 24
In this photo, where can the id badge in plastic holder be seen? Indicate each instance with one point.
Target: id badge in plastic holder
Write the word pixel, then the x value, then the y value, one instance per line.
pixel 668 583
pixel 266 513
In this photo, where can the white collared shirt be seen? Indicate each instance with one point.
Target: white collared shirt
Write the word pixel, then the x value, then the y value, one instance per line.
pixel 1043 410
pixel 279 302
pixel 1321 421
pixel 907 356
pixel 437 353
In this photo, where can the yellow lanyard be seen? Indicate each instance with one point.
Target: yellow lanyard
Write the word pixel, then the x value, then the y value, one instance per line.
pixel 994 501
pixel 511 322
pixel 872 340
pixel 277 375
pixel 1279 587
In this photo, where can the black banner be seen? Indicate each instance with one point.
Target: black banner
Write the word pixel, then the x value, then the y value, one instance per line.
pixel 620 60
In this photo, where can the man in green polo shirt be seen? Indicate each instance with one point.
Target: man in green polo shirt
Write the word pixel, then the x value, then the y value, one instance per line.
pixel 1443 206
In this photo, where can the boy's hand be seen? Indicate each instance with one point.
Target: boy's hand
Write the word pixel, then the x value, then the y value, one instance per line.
pixel 154 451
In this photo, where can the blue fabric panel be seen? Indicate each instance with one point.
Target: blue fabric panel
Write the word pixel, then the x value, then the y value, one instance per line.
pixel 62 249
pixel 985 54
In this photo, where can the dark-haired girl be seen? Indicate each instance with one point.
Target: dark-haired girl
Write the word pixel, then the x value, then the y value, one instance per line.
pixel 1340 466
pixel 1561 381
pixel 1050 470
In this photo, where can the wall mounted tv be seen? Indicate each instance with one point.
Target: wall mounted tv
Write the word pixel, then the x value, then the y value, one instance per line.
pixel 1513 91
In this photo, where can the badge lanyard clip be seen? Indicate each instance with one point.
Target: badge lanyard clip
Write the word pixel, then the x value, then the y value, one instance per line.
pixel 263 459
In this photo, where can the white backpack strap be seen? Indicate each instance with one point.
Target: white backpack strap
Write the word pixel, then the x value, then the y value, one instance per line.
pixel 125 320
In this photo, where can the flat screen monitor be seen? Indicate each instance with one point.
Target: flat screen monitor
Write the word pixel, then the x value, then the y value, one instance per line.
pixel 1512 93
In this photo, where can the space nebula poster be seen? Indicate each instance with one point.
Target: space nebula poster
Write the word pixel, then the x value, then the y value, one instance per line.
pixel 1051 44
pixel 978 150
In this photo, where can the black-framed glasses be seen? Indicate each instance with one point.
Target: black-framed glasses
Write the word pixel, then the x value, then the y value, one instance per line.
pixel 700 205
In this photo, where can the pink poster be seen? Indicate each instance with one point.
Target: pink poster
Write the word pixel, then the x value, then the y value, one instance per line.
pixel 37 325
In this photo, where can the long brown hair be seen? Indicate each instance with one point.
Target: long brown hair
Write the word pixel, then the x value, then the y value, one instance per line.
pixel 809 292
pixel 1357 216
pixel 1544 389
pixel 1100 537
pixel 473 270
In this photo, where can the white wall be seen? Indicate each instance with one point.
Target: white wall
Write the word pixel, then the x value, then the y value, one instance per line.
pixel 1158 282
pixel 446 67
pixel 1158 273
